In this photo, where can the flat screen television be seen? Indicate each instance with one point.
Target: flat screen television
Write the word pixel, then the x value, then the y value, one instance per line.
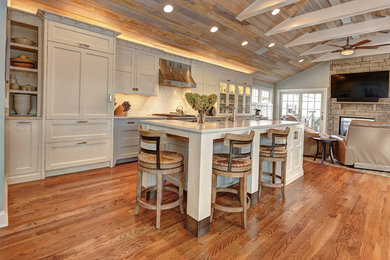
pixel 360 87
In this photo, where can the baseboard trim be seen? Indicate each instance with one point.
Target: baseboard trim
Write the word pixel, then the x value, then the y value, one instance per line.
pixel 24 178
pixel 3 219
pixel 51 173
pixel 297 174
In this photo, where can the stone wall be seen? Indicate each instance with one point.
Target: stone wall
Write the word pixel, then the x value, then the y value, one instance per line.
pixel 380 110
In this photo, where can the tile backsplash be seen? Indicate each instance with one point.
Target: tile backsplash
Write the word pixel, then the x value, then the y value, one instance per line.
pixel 166 101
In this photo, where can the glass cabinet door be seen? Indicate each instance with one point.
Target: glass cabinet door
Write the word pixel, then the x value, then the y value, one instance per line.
pixel 232 96
pixel 247 100
pixel 222 97
pixel 240 100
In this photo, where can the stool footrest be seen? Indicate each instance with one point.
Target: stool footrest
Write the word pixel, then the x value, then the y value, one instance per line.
pixel 228 208
pixel 165 206
pixel 272 185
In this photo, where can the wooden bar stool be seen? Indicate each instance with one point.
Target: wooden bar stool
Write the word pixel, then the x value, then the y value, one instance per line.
pixel 276 152
pixel 159 163
pixel 235 165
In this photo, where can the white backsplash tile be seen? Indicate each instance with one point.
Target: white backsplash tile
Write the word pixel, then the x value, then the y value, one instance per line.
pixel 166 101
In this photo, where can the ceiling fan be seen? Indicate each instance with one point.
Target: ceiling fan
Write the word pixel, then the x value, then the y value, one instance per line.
pixel 349 49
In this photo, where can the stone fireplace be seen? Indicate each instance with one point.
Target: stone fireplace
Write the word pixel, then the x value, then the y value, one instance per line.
pixel 380 111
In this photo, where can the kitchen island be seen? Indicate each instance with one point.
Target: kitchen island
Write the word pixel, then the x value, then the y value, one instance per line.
pixel 198 142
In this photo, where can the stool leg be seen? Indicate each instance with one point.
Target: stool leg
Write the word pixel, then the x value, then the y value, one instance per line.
pixel 138 196
pixel 244 200
pixel 181 186
pixel 159 199
pixel 213 195
pixel 260 174
pixel 283 177
pixel 273 172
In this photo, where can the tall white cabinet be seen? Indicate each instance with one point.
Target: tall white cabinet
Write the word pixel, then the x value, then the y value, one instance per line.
pixel 79 99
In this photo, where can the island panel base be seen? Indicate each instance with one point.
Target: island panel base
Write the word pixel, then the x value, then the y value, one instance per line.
pixel 197 228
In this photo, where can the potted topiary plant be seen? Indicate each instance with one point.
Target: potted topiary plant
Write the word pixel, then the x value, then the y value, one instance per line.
pixel 201 103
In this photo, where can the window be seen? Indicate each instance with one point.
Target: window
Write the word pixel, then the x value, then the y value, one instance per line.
pixel 255 95
pixel 262 99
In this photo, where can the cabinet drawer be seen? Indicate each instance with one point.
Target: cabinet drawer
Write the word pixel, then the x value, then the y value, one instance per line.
pixel 67 34
pixel 71 154
pixel 71 130
pixel 128 151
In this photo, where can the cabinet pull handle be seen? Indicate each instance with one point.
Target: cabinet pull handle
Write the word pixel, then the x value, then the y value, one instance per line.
pixel 82 121
pixel 83 45
pixel 131 123
pixel 82 143
pixel 110 98
pixel 25 122
pixel 135 89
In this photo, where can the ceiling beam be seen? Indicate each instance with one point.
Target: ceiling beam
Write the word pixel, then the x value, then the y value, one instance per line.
pixel 358 53
pixel 262 6
pixel 345 20
pixel 376 25
pixel 329 14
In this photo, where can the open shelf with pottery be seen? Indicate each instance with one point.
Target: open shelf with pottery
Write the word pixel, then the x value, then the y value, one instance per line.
pixel 24 64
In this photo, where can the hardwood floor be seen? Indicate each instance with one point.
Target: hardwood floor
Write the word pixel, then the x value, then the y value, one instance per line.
pixel 330 213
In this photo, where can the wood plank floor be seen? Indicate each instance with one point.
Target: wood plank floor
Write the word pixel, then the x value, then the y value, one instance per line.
pixel 330 213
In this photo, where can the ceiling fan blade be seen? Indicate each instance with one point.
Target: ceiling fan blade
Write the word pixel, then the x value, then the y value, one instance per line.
pixel 361 43
pixel 336 51
pixel 338 46
pixel 368 47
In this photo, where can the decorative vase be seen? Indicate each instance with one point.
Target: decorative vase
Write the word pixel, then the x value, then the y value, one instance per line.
pixel 201 117
pixel 22 104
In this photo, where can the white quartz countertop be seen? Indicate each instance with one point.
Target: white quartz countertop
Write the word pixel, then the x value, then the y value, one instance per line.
pixel 140 117
pixel 219 126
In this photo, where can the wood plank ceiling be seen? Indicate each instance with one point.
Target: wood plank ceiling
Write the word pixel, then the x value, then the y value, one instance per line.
pixel 185 31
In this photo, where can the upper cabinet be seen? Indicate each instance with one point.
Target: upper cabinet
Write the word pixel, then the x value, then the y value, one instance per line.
pixel 136 71
pixel 206 79
pixel 79 76
pixel 147 73
pixel 62 33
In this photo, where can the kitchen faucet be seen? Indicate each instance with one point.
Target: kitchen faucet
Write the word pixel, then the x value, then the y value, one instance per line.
pixel 232 117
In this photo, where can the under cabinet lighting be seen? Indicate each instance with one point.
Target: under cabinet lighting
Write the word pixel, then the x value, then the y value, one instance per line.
pixel 214 29
pixel 168 8
pixel 276 11
pixel 272 44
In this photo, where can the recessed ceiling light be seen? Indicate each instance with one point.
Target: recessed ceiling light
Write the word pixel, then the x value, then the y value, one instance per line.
pixel 168 8
pixel 214 29
pixel 276 11
pixel 244 43
pixel 301 60
pixel 272 44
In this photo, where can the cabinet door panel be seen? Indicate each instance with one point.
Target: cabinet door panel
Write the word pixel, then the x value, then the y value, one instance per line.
pixel 123 82
pixel 64 81
pixel 96 84
pixel 21 147
pixel 124 58
pixel 146 84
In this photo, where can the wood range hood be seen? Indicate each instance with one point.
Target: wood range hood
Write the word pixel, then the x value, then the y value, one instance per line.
pixel 175 74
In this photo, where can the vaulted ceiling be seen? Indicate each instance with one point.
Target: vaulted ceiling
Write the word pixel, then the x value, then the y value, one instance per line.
pixel 186 30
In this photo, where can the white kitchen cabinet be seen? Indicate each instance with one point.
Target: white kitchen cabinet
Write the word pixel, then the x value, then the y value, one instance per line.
pixel 136 71
pixel 79 83
pixel 206 79
pixel 22 150
pixel 73 130
pixel 125 70
pixel 77 37
pixel 78 153
pixel 126 139
pixel 197 73
pixel 147 73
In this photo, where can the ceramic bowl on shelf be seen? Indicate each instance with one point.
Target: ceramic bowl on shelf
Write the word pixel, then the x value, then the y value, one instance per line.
pixel 23 40
pixel 28 87
pixel 22 104
pixel 23 61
